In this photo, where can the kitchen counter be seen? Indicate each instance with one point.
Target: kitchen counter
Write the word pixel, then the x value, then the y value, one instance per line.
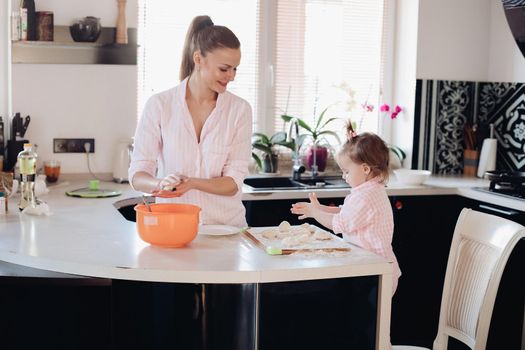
pixel 90 237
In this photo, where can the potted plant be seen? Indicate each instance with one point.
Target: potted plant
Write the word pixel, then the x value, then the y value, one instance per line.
pixel 317 133
pixel 268 147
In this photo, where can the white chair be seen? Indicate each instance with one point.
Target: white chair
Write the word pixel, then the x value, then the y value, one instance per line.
pixel 481 246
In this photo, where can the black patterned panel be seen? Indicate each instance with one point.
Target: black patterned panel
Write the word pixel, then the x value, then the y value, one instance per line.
pixel 442 109
pixel 505 108
pixel 491 97
pixel 454 106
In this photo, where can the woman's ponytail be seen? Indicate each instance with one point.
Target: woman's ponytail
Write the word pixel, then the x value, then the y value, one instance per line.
pixel 199 23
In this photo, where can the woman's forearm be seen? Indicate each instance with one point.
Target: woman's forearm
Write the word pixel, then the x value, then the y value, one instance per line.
pixel 224 186
pixel 145 182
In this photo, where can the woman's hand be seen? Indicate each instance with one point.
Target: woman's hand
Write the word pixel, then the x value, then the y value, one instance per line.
pixel 305 209
pixel 169 186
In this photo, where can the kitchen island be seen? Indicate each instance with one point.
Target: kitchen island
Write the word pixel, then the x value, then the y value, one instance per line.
pixel 89 237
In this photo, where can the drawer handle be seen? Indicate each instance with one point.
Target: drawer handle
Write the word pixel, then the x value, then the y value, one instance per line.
pixel 497 210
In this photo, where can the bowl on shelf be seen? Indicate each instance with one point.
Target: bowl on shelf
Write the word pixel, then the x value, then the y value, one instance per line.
pixel 168 224
pixel 412 177
pixel 86 29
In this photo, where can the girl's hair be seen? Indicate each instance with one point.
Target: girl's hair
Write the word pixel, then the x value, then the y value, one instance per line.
pixel 205 37
pixel 367 148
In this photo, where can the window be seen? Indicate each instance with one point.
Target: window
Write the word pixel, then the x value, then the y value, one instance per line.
pixel 295 54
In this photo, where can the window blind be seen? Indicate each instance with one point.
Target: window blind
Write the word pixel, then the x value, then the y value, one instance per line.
pixel 321 46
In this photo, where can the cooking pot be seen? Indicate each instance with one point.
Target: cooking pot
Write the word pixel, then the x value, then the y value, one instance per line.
pixel 122 160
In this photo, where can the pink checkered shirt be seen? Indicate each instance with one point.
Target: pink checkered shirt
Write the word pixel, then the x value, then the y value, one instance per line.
pixel 366 220
pixel 166 143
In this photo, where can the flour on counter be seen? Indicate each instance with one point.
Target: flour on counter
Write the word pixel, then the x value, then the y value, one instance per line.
pixel 320 253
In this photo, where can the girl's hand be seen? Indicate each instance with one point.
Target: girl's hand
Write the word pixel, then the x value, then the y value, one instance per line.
pixel 305 209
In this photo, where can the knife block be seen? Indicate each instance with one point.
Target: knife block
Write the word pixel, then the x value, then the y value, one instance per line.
pixel 13 148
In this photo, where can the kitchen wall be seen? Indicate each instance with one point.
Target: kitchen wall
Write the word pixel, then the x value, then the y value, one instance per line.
pixel 473 43
pixel 78 101
pixel 456 40
pixel 466 40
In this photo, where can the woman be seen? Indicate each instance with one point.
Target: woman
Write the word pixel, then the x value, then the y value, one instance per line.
pixel 193 142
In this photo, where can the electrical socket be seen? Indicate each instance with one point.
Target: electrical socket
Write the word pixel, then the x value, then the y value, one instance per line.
pixel 72 145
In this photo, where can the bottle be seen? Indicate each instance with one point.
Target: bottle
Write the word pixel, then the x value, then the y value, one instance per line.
pixel 27 167
pixel 28 19
pixel 122 30
pixel 15 26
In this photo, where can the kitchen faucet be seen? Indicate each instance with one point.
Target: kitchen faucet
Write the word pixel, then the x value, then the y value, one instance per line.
pixel 297 168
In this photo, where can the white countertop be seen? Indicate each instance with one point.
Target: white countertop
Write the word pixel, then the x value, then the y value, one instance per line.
pixel 90 237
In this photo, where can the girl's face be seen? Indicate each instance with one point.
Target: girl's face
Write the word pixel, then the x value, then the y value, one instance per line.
pixel 218 67
pixel 353 173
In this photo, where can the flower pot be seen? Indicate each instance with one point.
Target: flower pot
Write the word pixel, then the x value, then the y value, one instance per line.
pixel 321 157
pixel 270 163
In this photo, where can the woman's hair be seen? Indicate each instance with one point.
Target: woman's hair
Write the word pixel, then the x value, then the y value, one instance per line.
pixel 367 148
pixel 205 37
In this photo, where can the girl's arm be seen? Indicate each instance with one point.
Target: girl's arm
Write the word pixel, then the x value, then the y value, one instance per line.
pixel 330 209
pixel 323 214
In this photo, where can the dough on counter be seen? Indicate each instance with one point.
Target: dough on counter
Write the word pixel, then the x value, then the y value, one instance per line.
pixel 284 234
pixel 169 188
pixel 291 241
pixel 270 233
pixel 307 226
pixel 284 226
pixel 322 235
pixel 305 238
pixel 299 230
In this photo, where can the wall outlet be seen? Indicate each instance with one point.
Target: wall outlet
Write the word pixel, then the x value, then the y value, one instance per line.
pixel 73 145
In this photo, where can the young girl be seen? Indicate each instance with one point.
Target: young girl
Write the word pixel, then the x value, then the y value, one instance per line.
pixel 366 218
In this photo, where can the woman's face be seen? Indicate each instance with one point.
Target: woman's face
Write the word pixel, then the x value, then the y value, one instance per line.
pixel 218 67
pixel 353 173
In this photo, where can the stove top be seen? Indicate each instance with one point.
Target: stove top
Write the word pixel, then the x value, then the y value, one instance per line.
pixel 507 189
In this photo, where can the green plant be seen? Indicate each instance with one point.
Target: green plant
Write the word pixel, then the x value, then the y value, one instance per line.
pixel 267 145
pixel 316 132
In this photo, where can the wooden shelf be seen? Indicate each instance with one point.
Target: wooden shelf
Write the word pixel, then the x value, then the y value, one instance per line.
pixel 66 51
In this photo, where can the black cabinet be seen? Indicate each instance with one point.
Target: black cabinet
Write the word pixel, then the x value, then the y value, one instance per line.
pixel 423 230
pixel 424 226
pixel 55 313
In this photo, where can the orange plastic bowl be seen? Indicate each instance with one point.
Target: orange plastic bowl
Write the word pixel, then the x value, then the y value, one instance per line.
pixel 168 224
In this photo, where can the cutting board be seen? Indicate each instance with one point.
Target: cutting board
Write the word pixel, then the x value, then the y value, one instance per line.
pixel 275 246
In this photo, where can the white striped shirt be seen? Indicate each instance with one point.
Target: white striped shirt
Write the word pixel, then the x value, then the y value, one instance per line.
pixel 166 143
pixel 366 220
